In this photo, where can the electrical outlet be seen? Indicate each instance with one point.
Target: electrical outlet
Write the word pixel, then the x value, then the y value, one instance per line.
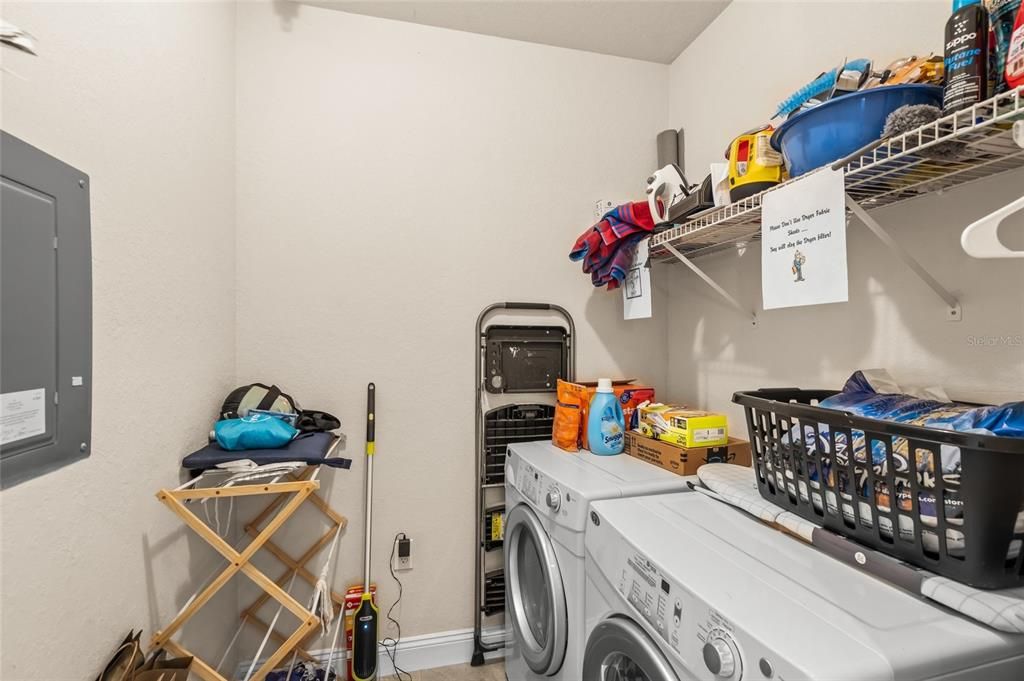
pixel 403 554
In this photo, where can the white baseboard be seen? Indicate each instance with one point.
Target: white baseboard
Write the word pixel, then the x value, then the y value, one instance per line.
pixel 429 651
pixel 426 651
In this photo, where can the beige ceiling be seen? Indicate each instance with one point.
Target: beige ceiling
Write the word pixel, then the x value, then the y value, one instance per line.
pixel 651 30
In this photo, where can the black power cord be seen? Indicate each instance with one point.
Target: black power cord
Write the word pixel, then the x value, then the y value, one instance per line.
pixel 390 644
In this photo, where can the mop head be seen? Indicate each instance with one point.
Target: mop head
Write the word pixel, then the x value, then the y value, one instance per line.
pixel 912 116
pixel 322 606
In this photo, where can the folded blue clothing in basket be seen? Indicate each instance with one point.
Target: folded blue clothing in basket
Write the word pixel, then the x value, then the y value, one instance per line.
pixel 873 394
pixel 312 449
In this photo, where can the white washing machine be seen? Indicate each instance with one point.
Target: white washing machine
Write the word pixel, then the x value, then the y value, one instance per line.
pixel 547 497
pixel 682 587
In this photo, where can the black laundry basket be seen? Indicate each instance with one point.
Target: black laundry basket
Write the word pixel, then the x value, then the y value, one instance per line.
pixel 973 536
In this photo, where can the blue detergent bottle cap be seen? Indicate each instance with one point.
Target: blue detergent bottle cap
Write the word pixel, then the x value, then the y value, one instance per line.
pixel 960 4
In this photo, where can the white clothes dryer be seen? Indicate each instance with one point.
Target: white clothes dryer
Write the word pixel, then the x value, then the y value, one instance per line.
pixel 681 587
pixel 548 493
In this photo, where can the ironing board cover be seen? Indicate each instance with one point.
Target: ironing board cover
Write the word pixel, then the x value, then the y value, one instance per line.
pixel 312 449
pixel 1002 609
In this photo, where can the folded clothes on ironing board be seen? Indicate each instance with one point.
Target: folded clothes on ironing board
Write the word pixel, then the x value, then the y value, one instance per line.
pixel 314 449
pixel 1002 609
pixel 873 394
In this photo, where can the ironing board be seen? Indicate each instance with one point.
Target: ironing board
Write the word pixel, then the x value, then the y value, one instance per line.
pixel 289 491
pixel 314 449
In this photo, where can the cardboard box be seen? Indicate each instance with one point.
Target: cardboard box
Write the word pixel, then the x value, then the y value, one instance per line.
pixel 683 427
pixel 685 461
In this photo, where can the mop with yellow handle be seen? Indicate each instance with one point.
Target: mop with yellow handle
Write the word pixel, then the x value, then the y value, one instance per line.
pixel 364 634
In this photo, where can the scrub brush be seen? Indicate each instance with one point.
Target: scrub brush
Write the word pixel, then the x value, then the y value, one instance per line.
pixel 816 87
pixel 824 84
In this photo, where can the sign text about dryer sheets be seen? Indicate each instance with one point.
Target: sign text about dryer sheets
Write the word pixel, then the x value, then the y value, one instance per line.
pixel 803 242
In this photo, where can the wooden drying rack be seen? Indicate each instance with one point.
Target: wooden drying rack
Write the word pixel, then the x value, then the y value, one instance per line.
pixel 300 488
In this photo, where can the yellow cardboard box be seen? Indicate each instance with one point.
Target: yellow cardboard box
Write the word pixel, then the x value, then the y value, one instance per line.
pixel 683 427
pixel 685 461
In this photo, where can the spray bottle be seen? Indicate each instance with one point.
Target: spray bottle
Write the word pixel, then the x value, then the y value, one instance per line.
pixel 1015 53
pixel 1001 15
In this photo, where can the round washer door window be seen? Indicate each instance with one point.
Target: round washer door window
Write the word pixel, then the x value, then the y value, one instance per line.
pixel 619 650
pixel 535 597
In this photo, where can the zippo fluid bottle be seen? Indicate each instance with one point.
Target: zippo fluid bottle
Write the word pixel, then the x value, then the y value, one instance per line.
pixel 966 56
pixel 606 425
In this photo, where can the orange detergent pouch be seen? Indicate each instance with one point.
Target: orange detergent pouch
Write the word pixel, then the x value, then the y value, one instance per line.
pixel 569 408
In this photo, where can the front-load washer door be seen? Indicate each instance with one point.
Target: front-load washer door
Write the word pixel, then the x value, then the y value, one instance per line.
pixel 619 650
pixel 535 596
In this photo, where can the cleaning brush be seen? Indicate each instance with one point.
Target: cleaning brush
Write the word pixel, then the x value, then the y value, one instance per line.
pixel 819 86
pixel 913 116
pixel 824 84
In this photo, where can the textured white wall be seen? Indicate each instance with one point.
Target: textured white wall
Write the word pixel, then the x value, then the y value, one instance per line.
pixel 892 320
pixel 394 179
pixel 140 97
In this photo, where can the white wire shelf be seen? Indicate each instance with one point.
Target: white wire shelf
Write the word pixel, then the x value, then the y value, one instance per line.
pixel 893 172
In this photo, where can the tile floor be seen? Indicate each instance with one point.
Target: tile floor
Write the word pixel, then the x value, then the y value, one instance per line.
pixel 492 671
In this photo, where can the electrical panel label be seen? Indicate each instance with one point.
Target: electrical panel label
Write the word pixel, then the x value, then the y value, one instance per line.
pixel 22 415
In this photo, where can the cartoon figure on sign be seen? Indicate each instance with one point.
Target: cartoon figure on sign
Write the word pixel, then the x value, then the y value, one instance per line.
pixel 798 265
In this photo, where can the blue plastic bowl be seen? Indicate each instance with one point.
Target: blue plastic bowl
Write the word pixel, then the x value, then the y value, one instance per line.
pixel 841 126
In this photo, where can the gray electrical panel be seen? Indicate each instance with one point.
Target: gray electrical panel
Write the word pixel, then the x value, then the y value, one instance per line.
pixel 45 313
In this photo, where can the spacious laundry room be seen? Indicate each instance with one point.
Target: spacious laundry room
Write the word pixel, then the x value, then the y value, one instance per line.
pixel 511 340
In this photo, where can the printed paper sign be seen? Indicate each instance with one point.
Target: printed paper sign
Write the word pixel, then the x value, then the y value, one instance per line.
pixel 636 289
pixel 803 242
pixel 22 415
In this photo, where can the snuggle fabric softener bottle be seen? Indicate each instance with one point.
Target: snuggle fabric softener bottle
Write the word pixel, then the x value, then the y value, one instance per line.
pixel 606 425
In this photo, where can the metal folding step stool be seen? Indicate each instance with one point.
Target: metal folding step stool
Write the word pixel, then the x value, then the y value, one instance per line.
pixel 511 360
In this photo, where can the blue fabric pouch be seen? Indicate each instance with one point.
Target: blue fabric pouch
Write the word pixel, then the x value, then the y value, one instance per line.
pixel 255 431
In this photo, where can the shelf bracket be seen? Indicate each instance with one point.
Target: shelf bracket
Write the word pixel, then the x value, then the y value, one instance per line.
pixel 954 312
pixel 711 282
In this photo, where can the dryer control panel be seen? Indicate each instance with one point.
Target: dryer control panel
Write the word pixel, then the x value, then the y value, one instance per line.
pixel 709 645
pixel 653 597
pixel 529 481
pixel 550 498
